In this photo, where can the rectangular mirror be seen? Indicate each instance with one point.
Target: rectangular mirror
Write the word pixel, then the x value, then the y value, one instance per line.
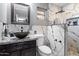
pixel 20 13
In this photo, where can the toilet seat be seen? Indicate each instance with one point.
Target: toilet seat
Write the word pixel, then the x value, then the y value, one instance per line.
pixel 45 49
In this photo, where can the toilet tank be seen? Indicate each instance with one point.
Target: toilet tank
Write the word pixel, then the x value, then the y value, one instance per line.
pixel 40 42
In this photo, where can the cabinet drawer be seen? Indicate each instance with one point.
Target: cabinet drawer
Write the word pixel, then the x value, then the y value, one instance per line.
pixel 4 48
pixel 29 44
pixel 29 52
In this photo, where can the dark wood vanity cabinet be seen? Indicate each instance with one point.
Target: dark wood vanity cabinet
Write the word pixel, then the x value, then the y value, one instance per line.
pixel 27 48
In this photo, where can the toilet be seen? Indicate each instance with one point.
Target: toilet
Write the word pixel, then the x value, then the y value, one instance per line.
pixel 43 50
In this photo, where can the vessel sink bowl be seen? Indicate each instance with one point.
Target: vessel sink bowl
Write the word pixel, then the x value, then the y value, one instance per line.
pixel 21 35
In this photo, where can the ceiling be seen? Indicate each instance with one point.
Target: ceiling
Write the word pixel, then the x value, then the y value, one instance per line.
pixel 61 4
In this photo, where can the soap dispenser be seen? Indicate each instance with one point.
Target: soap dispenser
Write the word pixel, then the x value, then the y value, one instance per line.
pixel 5 31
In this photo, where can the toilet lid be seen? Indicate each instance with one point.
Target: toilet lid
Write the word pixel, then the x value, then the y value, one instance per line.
pixel 45 49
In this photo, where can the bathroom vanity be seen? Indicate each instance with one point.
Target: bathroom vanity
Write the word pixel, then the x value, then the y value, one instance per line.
pixel 18 48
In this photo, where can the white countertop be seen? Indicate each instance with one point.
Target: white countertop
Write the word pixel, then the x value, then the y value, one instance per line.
pixel 10 40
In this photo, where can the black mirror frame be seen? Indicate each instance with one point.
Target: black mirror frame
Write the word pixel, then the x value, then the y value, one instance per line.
pixel 12 14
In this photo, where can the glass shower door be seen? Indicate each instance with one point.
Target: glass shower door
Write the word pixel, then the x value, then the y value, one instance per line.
pixel 73 40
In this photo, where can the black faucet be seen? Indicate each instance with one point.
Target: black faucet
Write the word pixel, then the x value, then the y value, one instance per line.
pixel 21 29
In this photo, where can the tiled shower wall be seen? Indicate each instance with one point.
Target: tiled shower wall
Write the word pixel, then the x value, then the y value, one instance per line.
pixel 56 32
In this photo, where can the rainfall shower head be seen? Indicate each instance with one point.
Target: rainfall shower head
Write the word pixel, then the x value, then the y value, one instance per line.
pixel 60 11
